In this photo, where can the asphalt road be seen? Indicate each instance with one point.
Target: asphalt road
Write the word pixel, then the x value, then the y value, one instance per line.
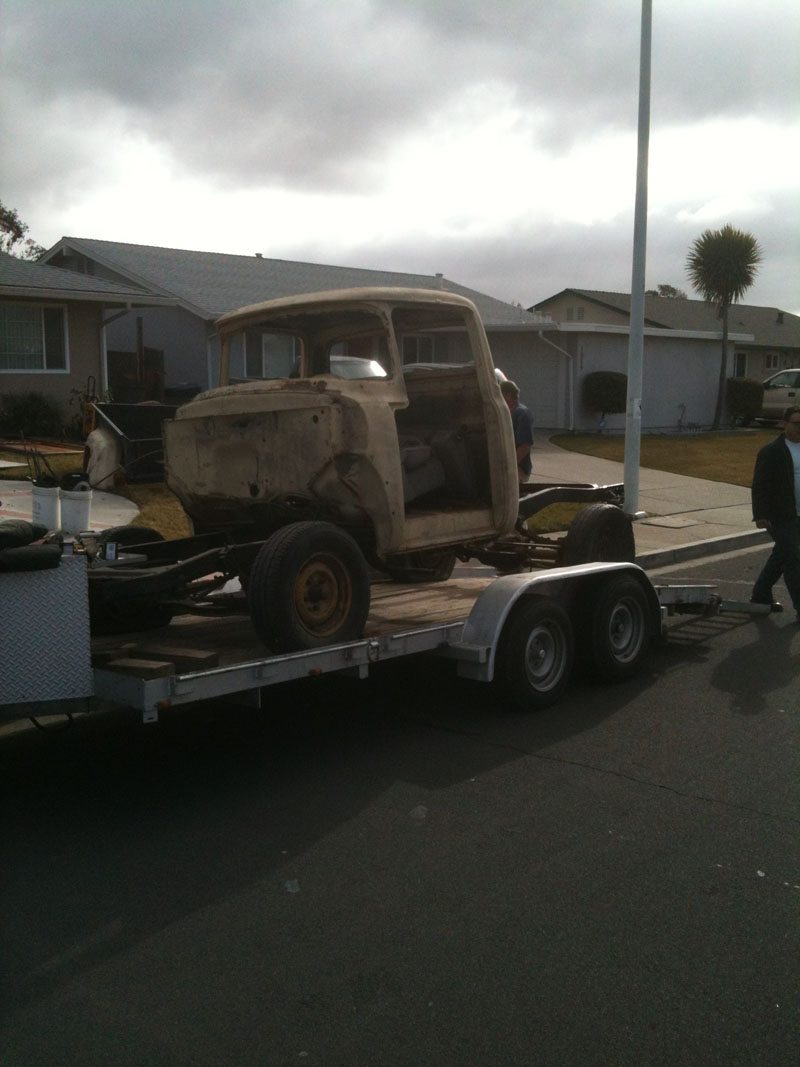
pixel 402 871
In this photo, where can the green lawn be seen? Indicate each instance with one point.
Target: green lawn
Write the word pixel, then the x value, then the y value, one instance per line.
pixel 720 457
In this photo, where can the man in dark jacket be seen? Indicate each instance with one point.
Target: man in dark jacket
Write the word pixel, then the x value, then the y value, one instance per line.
pixel 776 507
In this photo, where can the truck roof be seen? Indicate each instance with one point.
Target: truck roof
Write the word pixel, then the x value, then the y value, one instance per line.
pixel 337 298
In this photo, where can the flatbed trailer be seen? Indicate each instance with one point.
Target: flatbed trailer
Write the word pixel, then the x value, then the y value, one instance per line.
pixel 523 632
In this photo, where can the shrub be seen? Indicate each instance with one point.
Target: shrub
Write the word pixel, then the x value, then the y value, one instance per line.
pixel 744 397
pixel 32 414
pixel 605 391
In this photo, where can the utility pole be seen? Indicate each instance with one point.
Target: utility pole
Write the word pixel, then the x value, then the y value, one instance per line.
pixel 633 420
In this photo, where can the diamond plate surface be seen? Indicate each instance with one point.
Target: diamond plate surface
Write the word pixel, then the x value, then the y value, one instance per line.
pixel 44 634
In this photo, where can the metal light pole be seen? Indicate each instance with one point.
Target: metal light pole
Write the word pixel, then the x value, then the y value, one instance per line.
pixel 633 421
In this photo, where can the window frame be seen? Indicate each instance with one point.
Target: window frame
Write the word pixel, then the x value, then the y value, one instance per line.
pixel 42 308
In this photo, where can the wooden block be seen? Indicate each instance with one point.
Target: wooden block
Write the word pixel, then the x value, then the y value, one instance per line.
pixel 184 659
pixel 103 656
pixel 141 668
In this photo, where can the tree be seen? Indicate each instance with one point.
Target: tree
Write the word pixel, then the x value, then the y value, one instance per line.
pixel 722 265
pixel 12 231
pixel 667 292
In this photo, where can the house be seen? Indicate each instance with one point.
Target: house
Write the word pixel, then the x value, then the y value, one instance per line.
pixel 682 340
pixel 53 325
pixel 775 342
pixel 198 287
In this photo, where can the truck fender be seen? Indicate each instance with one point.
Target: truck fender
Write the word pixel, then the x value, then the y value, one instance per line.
pixel 484 624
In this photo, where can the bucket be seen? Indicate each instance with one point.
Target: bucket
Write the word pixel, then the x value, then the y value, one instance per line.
pixel 46 510
pixel 75 508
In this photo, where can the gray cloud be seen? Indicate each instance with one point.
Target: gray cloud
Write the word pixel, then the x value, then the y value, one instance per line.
pixel 309 93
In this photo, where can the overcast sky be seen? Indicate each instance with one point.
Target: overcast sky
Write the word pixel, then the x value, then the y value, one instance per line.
pixel 491 140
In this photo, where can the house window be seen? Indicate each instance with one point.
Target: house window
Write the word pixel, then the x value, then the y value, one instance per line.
pixel 772 362
pixel 418 349
pixel 32 338
pixel 570 314
pixel 271 355
pixel 580 314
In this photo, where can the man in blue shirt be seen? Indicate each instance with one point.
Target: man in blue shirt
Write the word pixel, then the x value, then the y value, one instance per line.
pixel 522 423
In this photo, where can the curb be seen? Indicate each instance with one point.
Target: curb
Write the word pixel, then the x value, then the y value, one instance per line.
pixel 714 546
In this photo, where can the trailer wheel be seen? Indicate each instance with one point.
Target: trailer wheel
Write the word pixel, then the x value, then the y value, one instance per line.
pixel 308 587
pixel 620 631
pixel 535 653
pixel 599 533
pixel 426 565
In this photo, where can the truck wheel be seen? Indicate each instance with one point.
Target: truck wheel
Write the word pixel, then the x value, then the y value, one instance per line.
pixel 308 587
pixel 599 533
pixel 619 633
pixel 535 653
pixel 426 565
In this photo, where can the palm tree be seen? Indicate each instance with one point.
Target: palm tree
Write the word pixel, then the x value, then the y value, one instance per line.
pixel 722 265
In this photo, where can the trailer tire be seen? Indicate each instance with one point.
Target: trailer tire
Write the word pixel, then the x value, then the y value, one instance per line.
pixel 535 653
pixel 426 565
pixel 599 533
pixel 619 633
pixel 308 587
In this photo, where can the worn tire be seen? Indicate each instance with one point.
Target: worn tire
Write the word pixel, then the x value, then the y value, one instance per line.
pixel 425 565
pixel 129 535
pixel 29 558
pixel 127 616
pixel 308 587
pixel 620 631
pixel 535 654
pixel 601 533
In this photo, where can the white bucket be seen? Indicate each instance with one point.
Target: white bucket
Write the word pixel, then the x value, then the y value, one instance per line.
pixel 46 510
pixel 75 508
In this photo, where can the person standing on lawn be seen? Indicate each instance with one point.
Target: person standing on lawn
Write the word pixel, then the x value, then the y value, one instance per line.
pixel 522 422
pixel 776 508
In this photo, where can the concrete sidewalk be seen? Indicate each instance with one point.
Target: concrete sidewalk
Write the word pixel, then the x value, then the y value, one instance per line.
pixel 687 517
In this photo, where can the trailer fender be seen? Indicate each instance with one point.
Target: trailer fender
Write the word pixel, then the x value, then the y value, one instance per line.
pixel 565 585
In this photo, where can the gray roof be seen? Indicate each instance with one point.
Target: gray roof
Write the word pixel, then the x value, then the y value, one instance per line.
pixel 212 283
pixel 771 327
pixel 29 278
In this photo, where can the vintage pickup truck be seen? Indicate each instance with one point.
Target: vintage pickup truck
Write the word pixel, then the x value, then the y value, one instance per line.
pixel 359 429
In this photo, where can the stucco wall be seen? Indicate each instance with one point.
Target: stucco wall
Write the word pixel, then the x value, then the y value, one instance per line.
pixel 679 379
pixel 539 371
pixel 180 335
pixel 582 310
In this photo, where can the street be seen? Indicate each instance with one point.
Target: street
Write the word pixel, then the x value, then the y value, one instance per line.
pixel 402 872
